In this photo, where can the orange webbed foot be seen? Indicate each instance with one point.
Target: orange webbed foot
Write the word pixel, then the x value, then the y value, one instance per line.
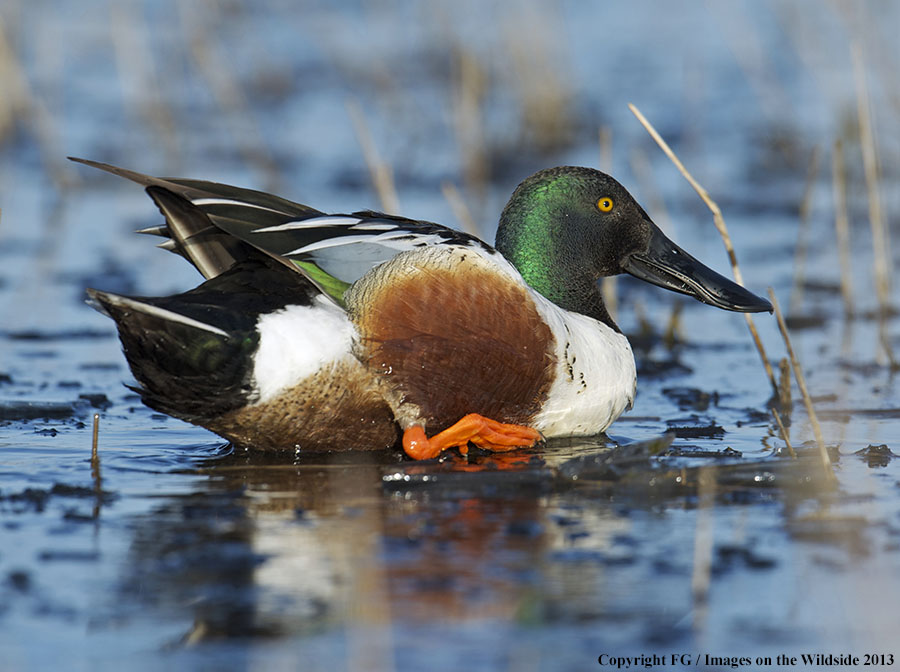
pixel 483 432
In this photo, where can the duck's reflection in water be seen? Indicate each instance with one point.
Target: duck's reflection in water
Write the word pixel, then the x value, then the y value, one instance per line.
pixel 364 543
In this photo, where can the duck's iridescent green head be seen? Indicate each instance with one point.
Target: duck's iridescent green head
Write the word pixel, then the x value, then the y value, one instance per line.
pixel 565 228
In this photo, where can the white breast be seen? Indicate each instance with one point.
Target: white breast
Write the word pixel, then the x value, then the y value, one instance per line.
pixel 595 375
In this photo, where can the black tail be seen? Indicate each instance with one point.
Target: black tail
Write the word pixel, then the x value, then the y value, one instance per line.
pixel 185 368
pixel 192 353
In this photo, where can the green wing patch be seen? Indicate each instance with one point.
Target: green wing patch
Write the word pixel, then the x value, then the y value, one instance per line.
pixel 329 284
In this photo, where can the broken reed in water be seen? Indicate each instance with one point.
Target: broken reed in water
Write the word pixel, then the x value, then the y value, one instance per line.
pixel 94 455
pixel 784 434
pixel 801 383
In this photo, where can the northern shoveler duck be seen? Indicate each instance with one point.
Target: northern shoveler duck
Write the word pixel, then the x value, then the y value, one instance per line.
pixel 365 330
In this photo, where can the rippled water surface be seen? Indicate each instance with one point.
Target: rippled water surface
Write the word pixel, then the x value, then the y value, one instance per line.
pixel 689 529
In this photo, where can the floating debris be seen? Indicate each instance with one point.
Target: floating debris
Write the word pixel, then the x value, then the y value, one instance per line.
pixel 99 400
pixel 660 368
pixel 696 451
pixel 691 398
pixel 708 430
pixel 36 499
pixel 799 322
pixel 877 456
pixel 729 556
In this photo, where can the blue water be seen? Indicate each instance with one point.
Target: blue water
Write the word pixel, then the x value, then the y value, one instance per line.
pixel 179 552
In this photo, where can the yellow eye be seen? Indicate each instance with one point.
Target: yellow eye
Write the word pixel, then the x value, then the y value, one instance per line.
pixel 605 204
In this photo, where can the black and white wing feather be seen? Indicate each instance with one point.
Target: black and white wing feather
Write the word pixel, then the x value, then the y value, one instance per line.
pixel 215 226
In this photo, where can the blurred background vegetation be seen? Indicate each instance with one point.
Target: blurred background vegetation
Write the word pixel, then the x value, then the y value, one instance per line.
pixel 786 111
pixel 281 94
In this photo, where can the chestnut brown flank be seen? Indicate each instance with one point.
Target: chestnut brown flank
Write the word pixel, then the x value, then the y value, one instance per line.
pixel 457 339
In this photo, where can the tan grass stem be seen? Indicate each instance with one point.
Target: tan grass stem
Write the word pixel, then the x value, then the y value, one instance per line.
pixel 784 385
pixel 801 383
pixel 22 103
pixel 460 209
pixel 803 231
pixel 379 171
pixel 784 434
pixel 227 91
pixel 643 171
pixel 135 62
pixel 604 138
pixel 96 436
pixel 468 99
pixel 720 226
pixel 880 242
pixel 95 467
pixel 841 223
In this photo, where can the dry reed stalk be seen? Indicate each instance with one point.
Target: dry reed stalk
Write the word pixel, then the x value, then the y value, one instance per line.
pixel 703 544
pixel 10 80
pixel 881 244
pixel 227 92
pixel 643 171
pixel 862 25
pixel 803 231
pixel 720 226
pixel 784 385
pixel 460 210
pixel 604 138
pixel 544 94
pixel 885 339
pixel 26 106
pixel 95 466
pixel 609 289
pixel 468 122
pixel 743 38
pixel 672 333
pixel 784 434
pixel 640 166
pixel 801 383
pixel 95 457
pixel 880 241
pixel 134 58
pixel 841 223
pixel 379 171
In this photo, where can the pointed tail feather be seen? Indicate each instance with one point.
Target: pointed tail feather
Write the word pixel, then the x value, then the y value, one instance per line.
pixel 187 368
pixel 116 306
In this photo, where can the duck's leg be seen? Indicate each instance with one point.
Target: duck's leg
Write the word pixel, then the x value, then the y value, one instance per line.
pixel 481 431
